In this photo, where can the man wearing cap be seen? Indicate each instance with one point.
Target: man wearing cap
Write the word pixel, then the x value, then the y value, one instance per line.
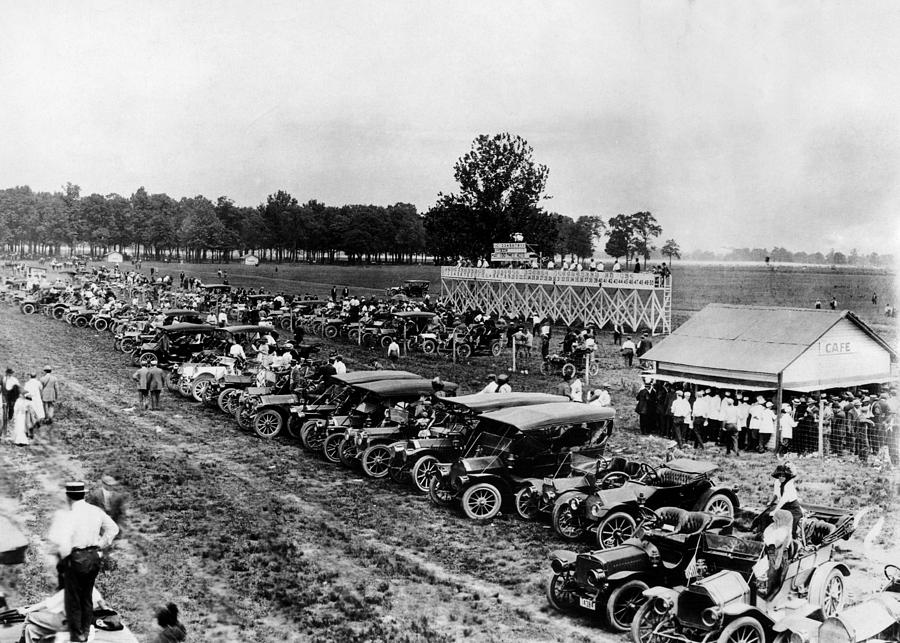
pixel 156 380
pixel 743 419
pixel 339 366
pixel 503 384
pixel 698 413
pixel 77 534
pixel 756 413
pixel 491 386
pixel 50 393
pixel 646 407
pixel 729 425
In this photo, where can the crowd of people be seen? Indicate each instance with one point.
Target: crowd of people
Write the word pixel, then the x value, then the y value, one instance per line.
pixel 859 423
pixel 29 408
pixel 566 264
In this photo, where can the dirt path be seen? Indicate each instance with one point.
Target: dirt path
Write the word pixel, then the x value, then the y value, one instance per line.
pixel 257 540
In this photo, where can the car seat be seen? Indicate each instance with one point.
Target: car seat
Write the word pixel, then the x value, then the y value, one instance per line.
pixel 815 531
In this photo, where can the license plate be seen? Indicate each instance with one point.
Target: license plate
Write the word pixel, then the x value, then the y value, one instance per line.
pixel 587 603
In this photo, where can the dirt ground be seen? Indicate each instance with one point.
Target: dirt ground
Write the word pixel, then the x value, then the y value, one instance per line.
pixel 259 540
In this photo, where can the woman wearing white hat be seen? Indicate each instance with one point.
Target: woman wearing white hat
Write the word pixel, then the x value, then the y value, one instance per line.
pixel 23 418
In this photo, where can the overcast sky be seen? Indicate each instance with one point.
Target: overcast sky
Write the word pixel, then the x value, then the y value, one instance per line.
pixel 736 123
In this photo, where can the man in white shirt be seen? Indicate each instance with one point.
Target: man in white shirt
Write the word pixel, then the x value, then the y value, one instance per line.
pixel 491 386
pixel 576 391
pixel 237 351
pixel 616 267
pixel 729 416
pixel 698 411
pixel 756 411
pixel 78 533
pixel 743 417
pixel 503 384
pixel 681 412
pixel 339 366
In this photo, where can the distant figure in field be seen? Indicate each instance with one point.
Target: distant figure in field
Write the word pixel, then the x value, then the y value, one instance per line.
pixel 818 304
pixel 617 267
pixel 874 298
pixel 833 303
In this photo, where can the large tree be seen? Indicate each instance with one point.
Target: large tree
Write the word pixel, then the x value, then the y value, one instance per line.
pixel 671 249
pixel 500 188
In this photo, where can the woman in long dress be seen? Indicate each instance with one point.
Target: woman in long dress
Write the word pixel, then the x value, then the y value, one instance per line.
pixel 34 387
pixel 22 411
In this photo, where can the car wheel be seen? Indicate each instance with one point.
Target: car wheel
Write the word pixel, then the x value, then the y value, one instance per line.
pixel 615 529
pixel 438 495
pixel 126 345
pixel 526 502
pixel 267 424
pixel 348 453
pixel 463 351
pixel 226 400
pixel 244 417
pixel 559 592
pixel 353 335
pixel 376 461
pixel 423 471
pixel 331 447
pixel 645 625
pixel 481 501
pixel 568 369
pixel 59 313
pixel 386 340
pixel 28 309
pixel 146 358
pixel 745 629
pixel 830 594
pixel 81 322
pixel 594 369
pixel 546 368
pixel 566 522
pixel 331 331
pixel 184 387
pixel 719 504
pixel 307 436
pixel 101 325
pixel 286 323
pixel 200 387
pixel 623 604
pixel 429 346
pixel 496 349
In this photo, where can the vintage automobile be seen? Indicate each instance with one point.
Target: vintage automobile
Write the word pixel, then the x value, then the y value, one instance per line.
pixel 337 399
pixel 33 304
pixel 193 379
pixel 790 576
pixel 369 440
pixel 612 513
pixel 513 445
pixel 671 547
pixel 410 288
pixel 874 620
pixel 175 344
pixel 454 425
pixel 181 315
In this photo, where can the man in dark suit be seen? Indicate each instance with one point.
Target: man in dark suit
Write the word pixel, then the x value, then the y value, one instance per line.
pixel 156 380
pixel 646 408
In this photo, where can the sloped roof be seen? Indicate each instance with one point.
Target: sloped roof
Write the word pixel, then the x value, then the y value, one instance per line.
pixel 756 339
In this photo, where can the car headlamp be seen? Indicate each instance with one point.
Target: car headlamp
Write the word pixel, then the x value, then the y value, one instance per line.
pixel 596 510
pixel 574 503
pixel 662 605
pixel 597 577
pixel 798 637
pixel 833 630
pixel 399 448
pixel 710 616
pixel 559 566
pixel 444 469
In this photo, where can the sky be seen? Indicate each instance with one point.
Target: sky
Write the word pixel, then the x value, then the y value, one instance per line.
pixel 738 124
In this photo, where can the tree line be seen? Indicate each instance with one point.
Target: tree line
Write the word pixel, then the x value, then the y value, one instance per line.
pixel 500 192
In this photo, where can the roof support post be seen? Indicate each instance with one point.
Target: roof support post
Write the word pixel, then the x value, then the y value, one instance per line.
pixel 778 395
pixel 821 426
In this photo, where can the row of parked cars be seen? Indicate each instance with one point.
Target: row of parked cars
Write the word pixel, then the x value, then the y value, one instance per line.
pixel 673 557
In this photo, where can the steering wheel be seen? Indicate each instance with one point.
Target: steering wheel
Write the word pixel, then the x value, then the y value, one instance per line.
pixel 613 479
pixel 645 473
pixel 649 516
pixel 892 573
